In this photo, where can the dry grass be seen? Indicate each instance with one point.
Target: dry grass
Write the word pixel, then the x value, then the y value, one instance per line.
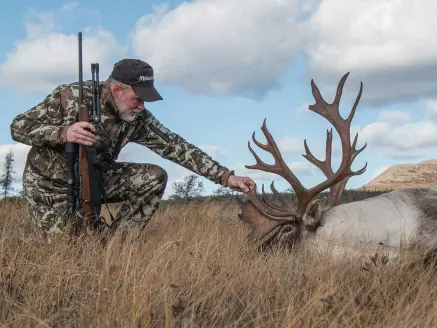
pixel 192 267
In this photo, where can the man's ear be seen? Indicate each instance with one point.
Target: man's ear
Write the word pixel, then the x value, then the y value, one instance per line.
pixel 116 90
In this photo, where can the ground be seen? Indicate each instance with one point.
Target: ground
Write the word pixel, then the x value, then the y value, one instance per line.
pixel 193 267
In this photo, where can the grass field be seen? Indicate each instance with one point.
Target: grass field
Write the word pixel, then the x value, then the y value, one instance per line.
pixel 192 267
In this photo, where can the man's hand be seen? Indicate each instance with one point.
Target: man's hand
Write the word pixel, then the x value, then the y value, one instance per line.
pixel 77 133
pixel 241 183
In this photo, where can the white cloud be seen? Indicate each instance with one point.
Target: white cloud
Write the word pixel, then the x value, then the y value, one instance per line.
pixel 409 140
pixel 432 110
pixel 213 150
pixel 137 153
pixel 46 58
pixel 394 117
pixel 291 145
pixel 388 44
pixel 221 46
pixel 303 109
pixel 244 47
pixel 402 138
pixel 303 168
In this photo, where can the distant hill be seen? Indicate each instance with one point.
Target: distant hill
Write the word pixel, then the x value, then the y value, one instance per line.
pixel 423 174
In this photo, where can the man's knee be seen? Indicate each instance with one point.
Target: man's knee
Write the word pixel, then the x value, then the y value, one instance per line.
pixel 157 174
pixel 48 219
pixel 161 174
pixel 150 177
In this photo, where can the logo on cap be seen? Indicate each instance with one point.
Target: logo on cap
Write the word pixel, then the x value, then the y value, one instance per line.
pixel 145 78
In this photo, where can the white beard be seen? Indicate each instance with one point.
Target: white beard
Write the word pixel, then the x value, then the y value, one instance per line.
pixel 121 110
pixel 127 117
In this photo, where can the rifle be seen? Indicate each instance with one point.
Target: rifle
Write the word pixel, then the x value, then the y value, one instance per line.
pixel 90 177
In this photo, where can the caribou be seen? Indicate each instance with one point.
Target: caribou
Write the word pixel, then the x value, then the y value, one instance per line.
pixel 388 223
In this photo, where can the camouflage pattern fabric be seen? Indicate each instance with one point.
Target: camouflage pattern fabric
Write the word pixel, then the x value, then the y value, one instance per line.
pixel 140 186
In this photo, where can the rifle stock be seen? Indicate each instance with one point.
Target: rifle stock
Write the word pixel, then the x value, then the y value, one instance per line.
pixel 85 173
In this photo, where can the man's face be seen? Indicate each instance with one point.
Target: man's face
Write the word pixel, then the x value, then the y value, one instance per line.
pixel 128 103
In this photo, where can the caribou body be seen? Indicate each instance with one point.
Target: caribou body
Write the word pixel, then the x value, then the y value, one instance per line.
pixel 390 222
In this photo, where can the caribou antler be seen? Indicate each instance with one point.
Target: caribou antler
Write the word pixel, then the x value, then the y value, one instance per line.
pixel 325 166
pixel 336 181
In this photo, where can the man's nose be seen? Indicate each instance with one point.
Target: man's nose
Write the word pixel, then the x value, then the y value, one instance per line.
pixel 141 106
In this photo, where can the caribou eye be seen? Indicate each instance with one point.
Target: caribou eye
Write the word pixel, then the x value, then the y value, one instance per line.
pixel 287 229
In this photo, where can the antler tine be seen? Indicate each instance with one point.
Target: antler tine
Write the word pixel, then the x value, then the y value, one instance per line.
pixel 340 89
pixel 280 168
pixel 328 150
pixel 324 166
pixel 354 108
pixel 259 163
pixel 270 203
pixel 321 107
pixel 337 190
pixel 354 154
pixel 278 195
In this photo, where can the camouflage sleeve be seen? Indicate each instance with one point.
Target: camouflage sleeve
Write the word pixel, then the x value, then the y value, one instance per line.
pixel 45 123
pixel 171 146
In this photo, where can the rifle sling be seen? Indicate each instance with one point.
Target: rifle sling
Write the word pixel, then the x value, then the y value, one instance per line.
pixel 120 138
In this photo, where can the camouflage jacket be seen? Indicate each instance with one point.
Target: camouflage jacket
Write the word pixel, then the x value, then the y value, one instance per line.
pixel 44 128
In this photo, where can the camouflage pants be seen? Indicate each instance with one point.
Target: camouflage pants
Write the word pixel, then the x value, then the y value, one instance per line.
pixel 139 186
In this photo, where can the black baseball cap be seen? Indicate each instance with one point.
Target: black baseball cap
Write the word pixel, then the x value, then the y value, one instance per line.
pixel 139 75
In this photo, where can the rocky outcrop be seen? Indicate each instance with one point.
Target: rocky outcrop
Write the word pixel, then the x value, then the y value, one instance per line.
pixel 423 174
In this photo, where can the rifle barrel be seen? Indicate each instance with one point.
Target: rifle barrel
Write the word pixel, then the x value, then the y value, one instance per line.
pixel 79 37
pixel 97 111
pixel 93 72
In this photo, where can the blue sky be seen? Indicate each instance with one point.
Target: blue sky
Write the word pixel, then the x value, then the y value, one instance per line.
pixel 224 66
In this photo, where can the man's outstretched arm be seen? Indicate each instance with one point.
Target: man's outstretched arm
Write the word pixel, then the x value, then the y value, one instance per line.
pixel 173 147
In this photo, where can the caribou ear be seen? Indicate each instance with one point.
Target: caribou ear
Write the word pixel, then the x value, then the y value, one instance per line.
pixel 259 223
pixel 314 207
pixel 311 218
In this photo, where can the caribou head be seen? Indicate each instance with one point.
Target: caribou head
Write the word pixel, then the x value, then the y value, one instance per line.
pixel 284 222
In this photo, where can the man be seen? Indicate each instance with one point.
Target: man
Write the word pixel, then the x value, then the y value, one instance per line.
pixel 49 125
